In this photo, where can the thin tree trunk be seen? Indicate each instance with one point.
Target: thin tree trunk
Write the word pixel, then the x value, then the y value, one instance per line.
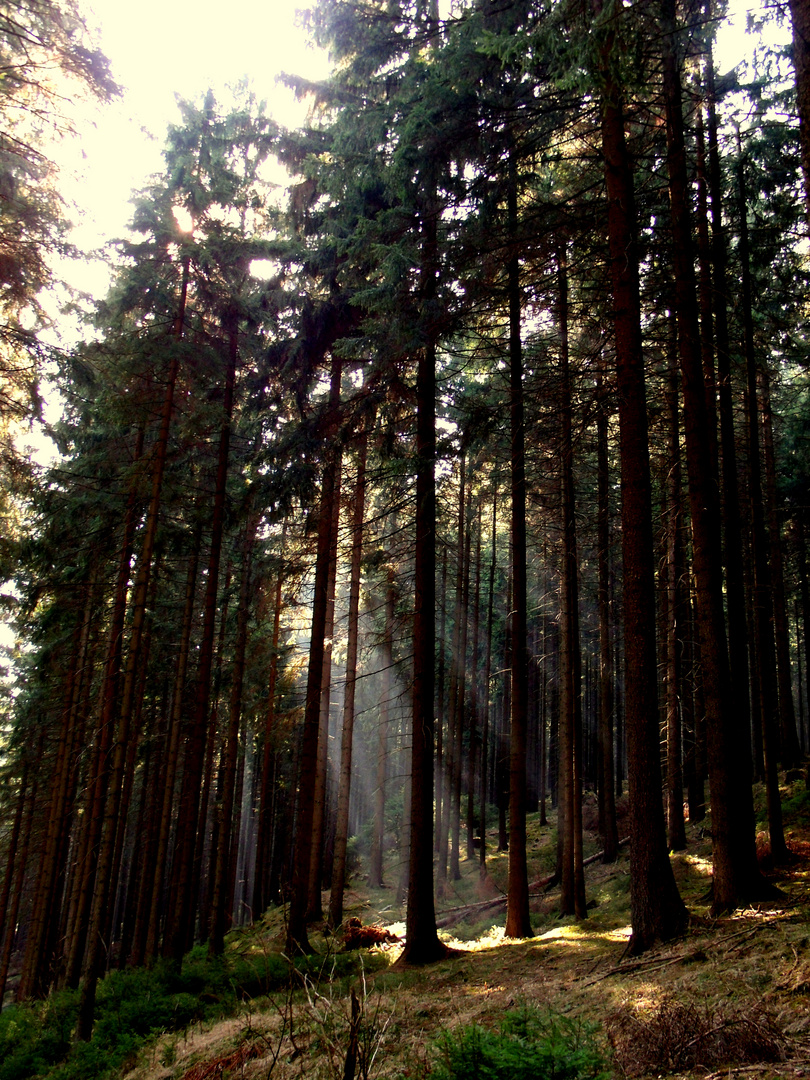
pixel 180 920
pixel 763 593
pixel 442 789
pixel 788 736
pixel 147 931
pixel 378 834
pixel 449 817
pixel 16 860
pixel 676 829
pixel 461 685
pixel 128 778
pixel 297 940
pixel 487 705
pixel 732 524
pixel 474 739
pixel 261 880
pixel 344 791
pixel 230 800
pixel 320 792
pixel 572 894
pixel 47 893
pixel 606 786
pixel 518 922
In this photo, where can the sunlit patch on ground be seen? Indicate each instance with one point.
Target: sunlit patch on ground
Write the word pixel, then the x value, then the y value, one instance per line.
pixel 697 862
pixel 489 939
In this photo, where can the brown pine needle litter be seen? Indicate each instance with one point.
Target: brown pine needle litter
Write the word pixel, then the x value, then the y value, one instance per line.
pixel 225 1065
pixel 677 1036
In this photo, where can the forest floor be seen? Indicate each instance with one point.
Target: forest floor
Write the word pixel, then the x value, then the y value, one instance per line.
pixel 729 998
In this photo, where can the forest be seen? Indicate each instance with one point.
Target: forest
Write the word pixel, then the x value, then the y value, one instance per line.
pixel 425 540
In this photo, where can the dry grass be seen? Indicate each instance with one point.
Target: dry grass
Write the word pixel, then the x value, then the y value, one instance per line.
pixel 677 1037
pixel 733 994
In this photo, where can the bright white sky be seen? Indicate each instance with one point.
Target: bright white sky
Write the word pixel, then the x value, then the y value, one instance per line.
pixel 160 48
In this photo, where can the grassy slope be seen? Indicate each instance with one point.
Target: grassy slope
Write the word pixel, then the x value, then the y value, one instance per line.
pixel 756 964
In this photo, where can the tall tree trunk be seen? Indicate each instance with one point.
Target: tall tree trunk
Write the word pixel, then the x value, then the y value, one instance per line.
pixel 518 922
pixel 657 911
pixel 297 940
pixel 422 943
pixel 732 521
pixel 606 785
pixel 788 736
pixel 230 799
pixel 572 894
pixel 487 703
pixel 676 829
pixel 378 834
pixel 147 930
pixel 180 919
pixel 91 965
pixel 449 817
pixel 109 926
pixel 261 880
pixel 47 893
pixel 460 685
pixel 442 789
pixel 97 787
pixel 16 862
pixel 321 789
pixel 206 826
pixel 474 738
pixel 344 791
pixel 732 870
pixel 762 592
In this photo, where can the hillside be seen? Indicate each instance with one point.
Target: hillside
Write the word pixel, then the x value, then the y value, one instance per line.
pixel 731 992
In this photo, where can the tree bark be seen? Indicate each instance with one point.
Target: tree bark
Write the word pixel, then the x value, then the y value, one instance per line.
pixel 518 922
pixel 229 801
pixel 180 919
pixel 675 570
pixel 657 911
pixel 297 939
pixel 320 791
pixel 788 735
pixel 606 785
pixel 16 862
pixel 378 834
pixel 353 632
pixel 731 849
pixel 487 703
pixel 762 591
pixel 422 943
pixel 572 892
pixel 261 880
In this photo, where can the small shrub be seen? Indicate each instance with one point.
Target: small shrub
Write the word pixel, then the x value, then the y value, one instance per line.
pixel 530 1045
pixel 34 1037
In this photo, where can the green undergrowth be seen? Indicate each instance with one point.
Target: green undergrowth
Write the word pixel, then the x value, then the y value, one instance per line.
pixel 135 1005
pixel 529 1044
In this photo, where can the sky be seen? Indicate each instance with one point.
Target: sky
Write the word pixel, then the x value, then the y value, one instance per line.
pixel 160 48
